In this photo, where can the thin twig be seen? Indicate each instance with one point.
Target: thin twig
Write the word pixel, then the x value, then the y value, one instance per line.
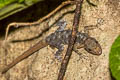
pixel 72 40
pixel 15 24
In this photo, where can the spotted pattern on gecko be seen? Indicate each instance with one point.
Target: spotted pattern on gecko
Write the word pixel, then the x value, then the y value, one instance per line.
pixel 83 40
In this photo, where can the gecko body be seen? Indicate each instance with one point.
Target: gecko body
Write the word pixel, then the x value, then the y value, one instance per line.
pixel 58 39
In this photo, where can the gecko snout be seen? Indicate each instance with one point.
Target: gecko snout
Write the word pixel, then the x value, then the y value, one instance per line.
pixel 92 46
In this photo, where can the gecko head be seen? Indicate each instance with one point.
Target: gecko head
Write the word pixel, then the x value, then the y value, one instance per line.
pixel 92 46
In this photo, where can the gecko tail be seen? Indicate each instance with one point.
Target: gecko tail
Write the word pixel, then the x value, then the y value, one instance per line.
pixel 30 51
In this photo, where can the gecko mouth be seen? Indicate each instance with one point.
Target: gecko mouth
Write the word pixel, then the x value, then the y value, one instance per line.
pixel 96 51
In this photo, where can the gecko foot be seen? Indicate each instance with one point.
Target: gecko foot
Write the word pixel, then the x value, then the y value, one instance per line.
pixel 58 57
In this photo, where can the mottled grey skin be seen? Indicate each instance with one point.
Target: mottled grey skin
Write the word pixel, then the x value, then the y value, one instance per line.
pixel 60 38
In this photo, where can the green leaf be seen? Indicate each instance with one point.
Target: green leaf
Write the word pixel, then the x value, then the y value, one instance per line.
pixel 9 7
pixel 20 1
pixel 114 59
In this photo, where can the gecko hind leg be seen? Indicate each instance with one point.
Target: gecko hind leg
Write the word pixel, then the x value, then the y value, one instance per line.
pixel 61 25
pixel 58 53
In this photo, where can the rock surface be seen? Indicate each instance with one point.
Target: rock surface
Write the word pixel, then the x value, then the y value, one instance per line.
pixel 43 66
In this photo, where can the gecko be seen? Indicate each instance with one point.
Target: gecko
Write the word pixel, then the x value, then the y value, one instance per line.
pixel 58 39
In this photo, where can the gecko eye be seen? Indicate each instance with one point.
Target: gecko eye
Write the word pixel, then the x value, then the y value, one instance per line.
pixel 88 49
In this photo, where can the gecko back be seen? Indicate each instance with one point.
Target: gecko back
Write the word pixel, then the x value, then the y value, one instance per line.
pixel 60 38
